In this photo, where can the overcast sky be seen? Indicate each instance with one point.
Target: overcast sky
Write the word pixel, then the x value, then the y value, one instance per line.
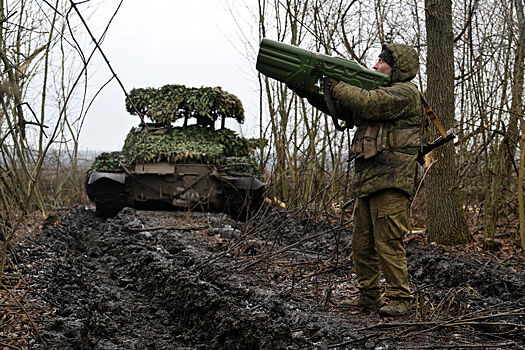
pixel 158 42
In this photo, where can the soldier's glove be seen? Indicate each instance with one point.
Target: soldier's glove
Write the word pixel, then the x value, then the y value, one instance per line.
pixel 327 84
pixel 295 88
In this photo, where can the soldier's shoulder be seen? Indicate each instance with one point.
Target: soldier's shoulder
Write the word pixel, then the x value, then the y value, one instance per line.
pixel 404 87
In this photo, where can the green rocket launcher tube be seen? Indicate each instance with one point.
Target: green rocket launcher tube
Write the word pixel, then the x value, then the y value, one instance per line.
pixel 302 68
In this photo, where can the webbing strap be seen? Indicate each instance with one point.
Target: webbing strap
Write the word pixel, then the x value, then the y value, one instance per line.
pixel 432 116
pixel 331 108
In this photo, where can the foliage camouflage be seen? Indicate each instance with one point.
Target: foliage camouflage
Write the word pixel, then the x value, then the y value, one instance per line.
pixel 191 143
pixel 169 103
pixel 108 162
pixel 181 144
pixel 242 165
pixel 194 143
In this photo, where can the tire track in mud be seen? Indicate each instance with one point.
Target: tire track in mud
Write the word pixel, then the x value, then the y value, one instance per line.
pixel 119 289
pixel 116 285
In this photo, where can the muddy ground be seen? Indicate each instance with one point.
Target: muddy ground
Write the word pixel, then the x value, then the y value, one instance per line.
pixel 179 280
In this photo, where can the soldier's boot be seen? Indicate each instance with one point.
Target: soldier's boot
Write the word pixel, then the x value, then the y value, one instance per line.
pixel 365 302
pixel 396 307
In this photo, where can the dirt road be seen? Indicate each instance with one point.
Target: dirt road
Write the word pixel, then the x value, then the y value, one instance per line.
pixel 172 280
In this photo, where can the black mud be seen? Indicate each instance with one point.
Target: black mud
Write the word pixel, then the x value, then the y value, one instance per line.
pixel 168 280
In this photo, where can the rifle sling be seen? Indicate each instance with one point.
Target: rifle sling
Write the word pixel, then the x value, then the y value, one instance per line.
pixel 331 108
pixel 432 116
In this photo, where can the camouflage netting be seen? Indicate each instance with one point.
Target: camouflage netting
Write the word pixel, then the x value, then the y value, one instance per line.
pixel 191 143
pixel 194 143
pixel 107 161
pixel 169 103
pixel 242 165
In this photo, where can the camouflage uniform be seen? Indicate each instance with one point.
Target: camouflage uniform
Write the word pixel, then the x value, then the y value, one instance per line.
pixel 390 122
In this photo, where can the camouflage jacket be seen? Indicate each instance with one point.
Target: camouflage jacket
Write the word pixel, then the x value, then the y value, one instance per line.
pixel 390 124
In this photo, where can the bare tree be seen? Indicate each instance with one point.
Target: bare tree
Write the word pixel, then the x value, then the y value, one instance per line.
pixel 481 48
pixel 40 57
pixel 517 108
pixel 445 218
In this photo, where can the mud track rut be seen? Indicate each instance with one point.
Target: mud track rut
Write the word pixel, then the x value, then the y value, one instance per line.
pixel 141 281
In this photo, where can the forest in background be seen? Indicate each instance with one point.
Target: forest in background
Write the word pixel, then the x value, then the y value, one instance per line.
pixel 57 287
pixel 472 62
pixel 305 158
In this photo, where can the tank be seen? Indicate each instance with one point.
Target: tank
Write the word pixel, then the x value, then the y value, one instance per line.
pixel 191 166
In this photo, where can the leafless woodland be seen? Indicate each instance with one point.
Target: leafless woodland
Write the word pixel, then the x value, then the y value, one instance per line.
pixel 479 45
pixel 485 105
pixel 43 106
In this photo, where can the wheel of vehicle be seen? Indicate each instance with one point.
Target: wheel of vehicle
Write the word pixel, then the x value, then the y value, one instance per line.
pixel 240 203
pixel 110 197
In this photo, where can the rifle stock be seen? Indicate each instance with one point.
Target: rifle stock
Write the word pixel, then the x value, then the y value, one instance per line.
pixel 451 134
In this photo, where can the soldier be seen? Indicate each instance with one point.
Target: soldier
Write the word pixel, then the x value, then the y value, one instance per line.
pixel 390 123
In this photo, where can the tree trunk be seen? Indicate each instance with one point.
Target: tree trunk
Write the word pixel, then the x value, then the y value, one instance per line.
pixel 517 109
pixel 505 164
pixel 521 177
pixel 445 218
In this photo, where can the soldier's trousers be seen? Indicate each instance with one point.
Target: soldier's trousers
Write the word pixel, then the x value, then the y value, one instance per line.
pixel 381 221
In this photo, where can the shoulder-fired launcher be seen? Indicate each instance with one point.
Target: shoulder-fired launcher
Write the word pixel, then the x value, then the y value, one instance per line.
pixel 302 68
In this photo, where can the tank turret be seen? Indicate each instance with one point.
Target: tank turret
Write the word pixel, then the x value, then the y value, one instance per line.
pixel 189 166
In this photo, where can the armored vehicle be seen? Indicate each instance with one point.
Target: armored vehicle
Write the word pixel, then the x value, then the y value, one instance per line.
pixel 190 166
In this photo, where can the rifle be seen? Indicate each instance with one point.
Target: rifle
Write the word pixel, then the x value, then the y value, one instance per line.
pixel 429 147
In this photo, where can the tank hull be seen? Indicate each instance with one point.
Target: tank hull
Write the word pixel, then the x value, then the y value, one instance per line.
pixel 168 185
